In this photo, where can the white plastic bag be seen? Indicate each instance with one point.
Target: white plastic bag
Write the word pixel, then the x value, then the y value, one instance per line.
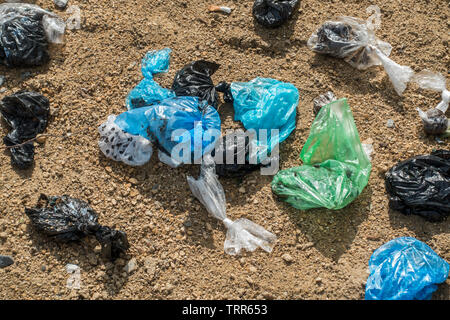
pixel 436 82
pixel 434 120
pixel 121 146
pixel 351 39
pixel 242 233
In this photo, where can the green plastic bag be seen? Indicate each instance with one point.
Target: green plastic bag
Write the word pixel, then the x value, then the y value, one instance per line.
pixel 336 169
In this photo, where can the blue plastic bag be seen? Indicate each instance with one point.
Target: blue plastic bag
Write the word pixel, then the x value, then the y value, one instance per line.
pixel 405 269
pixel 148 92
pixel 265 103
pixel 200 124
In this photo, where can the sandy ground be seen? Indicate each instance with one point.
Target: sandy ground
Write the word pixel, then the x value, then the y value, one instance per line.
pixel 178 248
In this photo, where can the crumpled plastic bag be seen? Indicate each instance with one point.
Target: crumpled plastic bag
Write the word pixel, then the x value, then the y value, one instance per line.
pixel 434 120
pixel 194 80
pixel 119 145
pixel 242 233
pixel 27 114
pixel 234 153
pixel 335 166
pixel 25 30
pixel 405 269
pixel 179 122
pixel 267 104
pixel 148 92
pixel 68 219
pixel 273 13
pixel 351 39
pixel 421 186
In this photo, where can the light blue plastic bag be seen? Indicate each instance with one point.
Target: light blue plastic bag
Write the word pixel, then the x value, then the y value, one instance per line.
pixel 148 92
pixel 265 103
pixel 405 269
pixel 200 124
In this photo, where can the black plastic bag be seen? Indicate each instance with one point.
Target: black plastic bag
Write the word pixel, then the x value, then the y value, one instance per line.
pixel 421 186
pixel 67 219
pixel 195 80
pixel 225 88
pixel 27 113
pixel 239 149
pixel 273 13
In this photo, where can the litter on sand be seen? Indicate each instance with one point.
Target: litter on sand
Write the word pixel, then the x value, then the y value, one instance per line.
pixel 434 120
pixel 421 186
pixel 335 166
pixel 241 233
pixel 353 40
pixel 26 31
pixel 405 269
pixel 68 219
pixel 27 114
pixel 273 13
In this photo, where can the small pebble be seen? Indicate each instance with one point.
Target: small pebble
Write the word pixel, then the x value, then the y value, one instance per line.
pixel 390 123
pixel 287 258
pixel 131 266
pixel 2 80
pixel 61 4
pixel 5 261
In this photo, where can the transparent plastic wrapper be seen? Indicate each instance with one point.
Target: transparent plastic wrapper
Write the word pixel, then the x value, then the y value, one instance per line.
pixel 25 31
pixel 421 186
pixel 434 120
pixel 148 92
pixel 194 80
pixel 27 114
pixel 268 104
pixel 68 219
pixel 242 233
pixel 179 122
pixel 119 145
pixel 273 13
pixel 351 39
pixel 335 166
pixel 405 269
pixel 323 100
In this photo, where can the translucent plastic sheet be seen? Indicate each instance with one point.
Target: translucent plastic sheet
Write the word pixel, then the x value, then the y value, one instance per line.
pixel 351 39
pixel 335 166
pixel 242 233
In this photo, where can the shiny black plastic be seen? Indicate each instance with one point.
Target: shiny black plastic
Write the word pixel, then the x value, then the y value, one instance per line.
pixel 27 114
pixel 67 219
pixel 273 13
pixel 195 80
pixel 421 186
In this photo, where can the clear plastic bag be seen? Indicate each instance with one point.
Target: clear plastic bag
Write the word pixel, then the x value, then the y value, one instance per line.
pixel 242 233
pixel 434 120
pixel 405 269
pixel 119 145
pixel 26 28
pixel 351 39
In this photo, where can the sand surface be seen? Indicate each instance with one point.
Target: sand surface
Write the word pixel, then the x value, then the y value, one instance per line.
pixel 179 248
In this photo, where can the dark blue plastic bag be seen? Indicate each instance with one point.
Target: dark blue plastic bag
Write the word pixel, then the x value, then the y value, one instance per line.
pixel 265 103
pixel 405 269
pixel 200 124
pixel 148 92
